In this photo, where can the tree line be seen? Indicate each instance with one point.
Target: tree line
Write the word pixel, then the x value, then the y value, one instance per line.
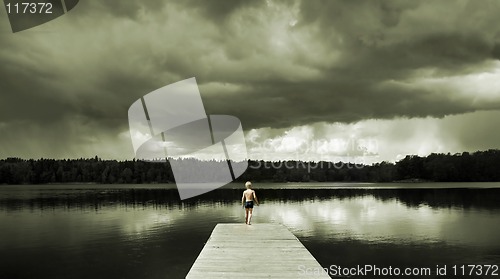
pixel 460 167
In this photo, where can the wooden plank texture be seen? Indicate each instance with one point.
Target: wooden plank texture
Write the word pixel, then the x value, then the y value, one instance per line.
pixel 254 251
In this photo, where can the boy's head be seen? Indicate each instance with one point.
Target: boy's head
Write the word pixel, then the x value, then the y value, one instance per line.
pixel 248 185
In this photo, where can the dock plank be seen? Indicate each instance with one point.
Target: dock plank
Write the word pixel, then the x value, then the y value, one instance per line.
pixel 254 251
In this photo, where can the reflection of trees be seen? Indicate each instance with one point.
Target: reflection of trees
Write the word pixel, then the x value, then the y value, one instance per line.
pixel 443 198
pixel 439 198
pixel 166 198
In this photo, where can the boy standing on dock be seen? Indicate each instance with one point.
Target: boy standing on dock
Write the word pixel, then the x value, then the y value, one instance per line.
pixel 247 201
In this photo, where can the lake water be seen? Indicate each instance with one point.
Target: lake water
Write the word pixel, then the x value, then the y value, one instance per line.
pixel 144 231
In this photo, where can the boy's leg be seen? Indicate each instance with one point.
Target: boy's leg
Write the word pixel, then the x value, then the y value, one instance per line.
pixel 246 215
pixel 249 215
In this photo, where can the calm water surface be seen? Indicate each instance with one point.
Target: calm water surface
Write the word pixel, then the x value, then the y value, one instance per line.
pixel 144 231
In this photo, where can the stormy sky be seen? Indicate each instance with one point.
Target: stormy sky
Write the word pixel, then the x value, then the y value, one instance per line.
pixel 313 80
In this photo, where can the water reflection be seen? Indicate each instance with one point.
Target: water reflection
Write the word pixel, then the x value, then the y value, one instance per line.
pixel 370 219
pixel 42 199
pixel 149 233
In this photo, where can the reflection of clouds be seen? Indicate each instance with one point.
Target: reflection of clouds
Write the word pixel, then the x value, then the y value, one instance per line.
pixel 335 215
pixel 369 219
pixel 292 217
pixel 363 218
pixel 78 227
pixel 145 221
pixel 149 220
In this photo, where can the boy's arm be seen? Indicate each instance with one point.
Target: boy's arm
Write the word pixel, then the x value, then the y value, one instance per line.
pixel 255 198
pixel 243 199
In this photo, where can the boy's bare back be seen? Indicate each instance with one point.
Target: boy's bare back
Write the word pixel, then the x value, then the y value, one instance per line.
pixel 249 194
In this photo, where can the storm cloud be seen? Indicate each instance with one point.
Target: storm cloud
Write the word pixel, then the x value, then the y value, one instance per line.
pixel 274 64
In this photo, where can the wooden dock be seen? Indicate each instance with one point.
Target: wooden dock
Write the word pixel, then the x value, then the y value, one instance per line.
pixel 254 251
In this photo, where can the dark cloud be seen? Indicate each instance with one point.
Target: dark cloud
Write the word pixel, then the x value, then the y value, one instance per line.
pixel 120 9
pixel 219 10
pixel 26 94
pixel 420 33
pixel 271 63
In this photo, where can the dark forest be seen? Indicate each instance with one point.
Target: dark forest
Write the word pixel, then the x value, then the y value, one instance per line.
pixel 479 166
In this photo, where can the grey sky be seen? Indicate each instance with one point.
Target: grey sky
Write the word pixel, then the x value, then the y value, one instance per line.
pixel 414 76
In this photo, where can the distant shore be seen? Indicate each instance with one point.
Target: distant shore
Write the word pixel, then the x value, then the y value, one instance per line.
pixel 480 166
